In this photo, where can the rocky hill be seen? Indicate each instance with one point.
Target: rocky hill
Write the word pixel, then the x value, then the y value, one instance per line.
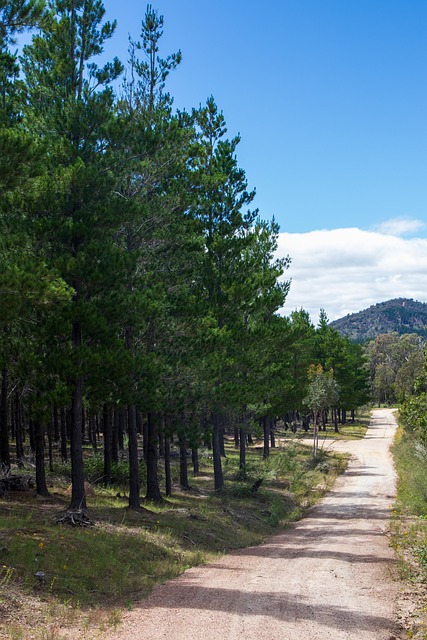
pixel 402 315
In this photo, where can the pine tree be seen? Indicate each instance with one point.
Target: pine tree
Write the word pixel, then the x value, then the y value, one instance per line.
pixel 69 107
pixel 156 235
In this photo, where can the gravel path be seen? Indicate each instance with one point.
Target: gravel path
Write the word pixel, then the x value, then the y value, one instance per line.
pixel 328 577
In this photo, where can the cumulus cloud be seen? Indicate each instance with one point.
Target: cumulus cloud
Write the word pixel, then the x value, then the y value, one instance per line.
pixel 346 270
pixel 400 226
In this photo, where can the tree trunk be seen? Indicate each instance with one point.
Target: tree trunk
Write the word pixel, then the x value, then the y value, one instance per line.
pixel 31 436
pixel 272 434
pixel 4 427
pixel 145 438
pixel 121 428
pixel 41 486
pixel 107 428
pixel 183 466
pixel 18 433
pixel 50 431
pixel 63 421
pixel 315 435
pixel 168 476
pixel 242 440
pixel 236 437
pixel 195 460
pixel 218 475
pixel 153 489
pixel 266 430
pixel 115 437
pixel 221 437
pixel 93 432
pixel 78 494
pixel 161 434
pixel 55 424
pixel 134 482
pixel 336 421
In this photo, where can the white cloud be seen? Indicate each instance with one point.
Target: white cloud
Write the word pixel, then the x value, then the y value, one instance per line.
pixel 346 270
pixel 400 226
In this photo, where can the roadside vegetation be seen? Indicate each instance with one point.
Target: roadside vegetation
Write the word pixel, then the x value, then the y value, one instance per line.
pixel 60 577
pixel 409 522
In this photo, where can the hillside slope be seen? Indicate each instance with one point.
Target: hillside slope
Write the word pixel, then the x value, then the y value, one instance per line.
pixel 402 315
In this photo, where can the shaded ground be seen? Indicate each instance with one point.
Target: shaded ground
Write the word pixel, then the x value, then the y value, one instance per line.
pixel 329 576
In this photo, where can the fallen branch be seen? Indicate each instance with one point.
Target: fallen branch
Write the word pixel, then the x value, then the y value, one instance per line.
pixel 76 518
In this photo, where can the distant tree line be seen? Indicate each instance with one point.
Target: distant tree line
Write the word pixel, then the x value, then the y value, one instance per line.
pixel 395 363
pixel 139 291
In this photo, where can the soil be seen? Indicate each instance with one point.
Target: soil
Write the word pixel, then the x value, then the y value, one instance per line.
pixel 331 576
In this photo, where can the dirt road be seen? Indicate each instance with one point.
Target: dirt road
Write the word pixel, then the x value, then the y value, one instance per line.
pixel 327 577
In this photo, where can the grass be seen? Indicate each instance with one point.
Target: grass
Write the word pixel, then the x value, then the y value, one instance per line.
pixel 91 574
pixel 409 526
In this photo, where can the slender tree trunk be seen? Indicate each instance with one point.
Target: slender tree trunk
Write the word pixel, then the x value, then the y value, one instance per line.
pixel 83 423
pixel 12 421
pixel 153 489
pixel 195 460
pixel 55 423
pixel 266 430
pixel 108 438
pixel 324 418
pixel 78 494
pixel 92 432
pixel 218 475
pixel 31 436
pixel 134 481
pixel 168 476
pixel 221 436
pixel 63 421
pixel 18 433
pixel 336 421
pixel 50 443
pixel 121 429
pixel 183 466
pixel 272 434
pixel 145 437
pixel 315 435
pixel 4 426
pixel 161 419
pixel 236 437
pixel 242 441
pixel 115 437
pixel 41 486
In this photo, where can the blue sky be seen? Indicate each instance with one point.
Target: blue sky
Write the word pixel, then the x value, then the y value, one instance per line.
pixel 329 96
pixel 330 99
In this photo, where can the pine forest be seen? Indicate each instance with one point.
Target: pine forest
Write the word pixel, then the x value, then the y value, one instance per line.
pixel 139 291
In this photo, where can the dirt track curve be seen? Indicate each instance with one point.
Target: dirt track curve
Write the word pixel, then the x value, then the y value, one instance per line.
pixel 327 577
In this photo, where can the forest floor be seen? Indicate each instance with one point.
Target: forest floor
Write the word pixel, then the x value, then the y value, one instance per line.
pixel 332 575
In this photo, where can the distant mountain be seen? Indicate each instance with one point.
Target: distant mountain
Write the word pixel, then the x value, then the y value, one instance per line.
pixel 402 315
